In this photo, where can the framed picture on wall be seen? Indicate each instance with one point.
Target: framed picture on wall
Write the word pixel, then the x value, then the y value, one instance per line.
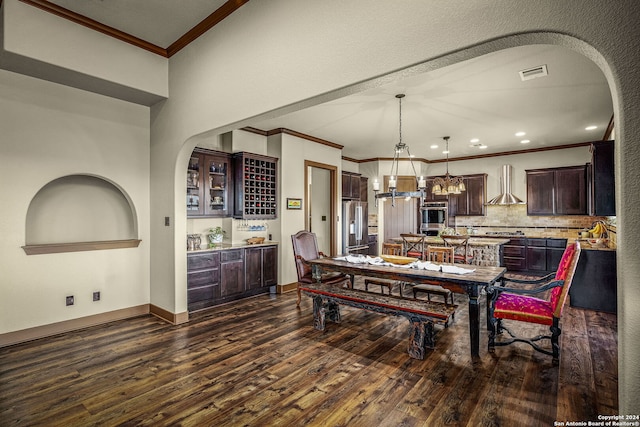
pixel 294 203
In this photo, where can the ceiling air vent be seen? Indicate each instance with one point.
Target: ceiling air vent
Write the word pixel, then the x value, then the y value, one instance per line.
pixel 532 73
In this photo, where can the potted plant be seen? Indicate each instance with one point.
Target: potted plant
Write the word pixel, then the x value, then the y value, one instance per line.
pixel 216 234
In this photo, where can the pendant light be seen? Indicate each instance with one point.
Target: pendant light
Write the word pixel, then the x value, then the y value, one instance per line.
pixel 448 184
pixel 399 149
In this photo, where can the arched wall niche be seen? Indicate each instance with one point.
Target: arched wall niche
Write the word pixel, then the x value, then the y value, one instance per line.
pixel 80 213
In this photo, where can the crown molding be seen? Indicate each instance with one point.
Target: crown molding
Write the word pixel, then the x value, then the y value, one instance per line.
pixel 206 24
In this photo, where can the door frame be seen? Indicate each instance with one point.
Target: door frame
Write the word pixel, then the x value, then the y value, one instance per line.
pixel 333 186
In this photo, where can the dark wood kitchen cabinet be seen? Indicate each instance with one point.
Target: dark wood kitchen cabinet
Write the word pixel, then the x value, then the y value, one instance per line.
pixel 203 280
pixel 557 191
pixel 256 184
pixel 543 255
pixel 470 202
pixel 350 185
pixel 231 272
pixel 537 255
pixel 219 276
pixel 602 179
pixel 209 184
pixel 514 254
pixel 261 267
pixel 595 284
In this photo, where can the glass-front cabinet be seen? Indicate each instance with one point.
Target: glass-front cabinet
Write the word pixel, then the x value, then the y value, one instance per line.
pixel 208 184
pixel 217 186
pixel 194 186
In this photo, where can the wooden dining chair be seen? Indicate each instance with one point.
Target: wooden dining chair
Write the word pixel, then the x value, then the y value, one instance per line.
pixel 305 248
pixel 441 255
pixel 414 245
pixel 520 305
pixel 387 249
pixel 460 245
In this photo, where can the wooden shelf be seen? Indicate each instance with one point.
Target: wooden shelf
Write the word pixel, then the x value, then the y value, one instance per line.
pixel 54 248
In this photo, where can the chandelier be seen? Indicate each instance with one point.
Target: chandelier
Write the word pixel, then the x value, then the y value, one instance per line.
pixel 400 148
pixel 448 184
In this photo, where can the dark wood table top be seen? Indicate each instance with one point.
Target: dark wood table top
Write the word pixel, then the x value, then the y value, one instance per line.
pixel 482 276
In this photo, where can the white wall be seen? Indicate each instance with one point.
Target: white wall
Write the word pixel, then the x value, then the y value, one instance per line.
pixel 50 131
pixel 247 67
pixel 294 152
pixel 43 45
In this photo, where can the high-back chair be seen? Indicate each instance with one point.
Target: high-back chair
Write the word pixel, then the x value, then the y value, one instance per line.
pixel 518 304
pixel 460 245
pixel 387 249
pixel 305 248
pixel 414 245
pixel 440 255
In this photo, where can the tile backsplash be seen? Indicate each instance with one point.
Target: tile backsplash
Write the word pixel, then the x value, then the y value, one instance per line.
pixel 515 218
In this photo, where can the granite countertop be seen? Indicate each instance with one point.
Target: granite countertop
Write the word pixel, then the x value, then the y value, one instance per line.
pixel 473 241
pixel 238 245
pixel 587 245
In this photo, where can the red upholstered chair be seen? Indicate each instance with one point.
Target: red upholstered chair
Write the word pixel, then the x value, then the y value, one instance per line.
pixel 305 247
pixel 518 304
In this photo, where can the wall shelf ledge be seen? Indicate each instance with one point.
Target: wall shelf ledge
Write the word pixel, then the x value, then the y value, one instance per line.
pixel 54 248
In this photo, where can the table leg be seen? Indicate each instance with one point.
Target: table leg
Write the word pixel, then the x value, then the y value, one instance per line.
pixel 474 325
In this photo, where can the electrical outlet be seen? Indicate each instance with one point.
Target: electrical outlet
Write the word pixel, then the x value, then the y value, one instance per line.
pixel 70 300
pixel 96 296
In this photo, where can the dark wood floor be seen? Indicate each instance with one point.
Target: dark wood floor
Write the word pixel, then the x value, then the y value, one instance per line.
pixel 259 362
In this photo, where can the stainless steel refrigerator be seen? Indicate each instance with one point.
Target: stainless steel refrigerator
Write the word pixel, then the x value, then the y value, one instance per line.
pixel 355 233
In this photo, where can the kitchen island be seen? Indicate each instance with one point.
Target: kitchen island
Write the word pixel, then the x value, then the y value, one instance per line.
pixel 485 251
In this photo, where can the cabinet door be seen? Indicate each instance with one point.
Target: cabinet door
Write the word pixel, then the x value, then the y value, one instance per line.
pixel 458 204
pixel 540 192
pixel 364 190
pixel 195 203
pixel 603 179
pixel 571 191
pixel 231 272
pixel 217 172
pixel 253 268
pixel 476 194
pixel 537 254
pixel 270 266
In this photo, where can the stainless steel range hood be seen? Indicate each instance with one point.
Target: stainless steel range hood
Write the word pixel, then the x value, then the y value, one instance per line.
pixel 506 198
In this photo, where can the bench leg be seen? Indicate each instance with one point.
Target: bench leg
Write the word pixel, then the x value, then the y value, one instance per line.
pixel 324 311
pixel 420 338
pixel 318 313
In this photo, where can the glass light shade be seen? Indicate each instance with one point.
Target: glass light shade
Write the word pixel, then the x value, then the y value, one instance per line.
pixel 436 189
pixel 461 186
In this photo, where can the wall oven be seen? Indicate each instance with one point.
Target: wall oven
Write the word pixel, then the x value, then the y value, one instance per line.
pixel 434 217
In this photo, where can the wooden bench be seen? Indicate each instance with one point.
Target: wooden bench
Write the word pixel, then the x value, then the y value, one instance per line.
pixel 421 314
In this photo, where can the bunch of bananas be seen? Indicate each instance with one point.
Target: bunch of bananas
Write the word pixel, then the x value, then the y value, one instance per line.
pixel 599 229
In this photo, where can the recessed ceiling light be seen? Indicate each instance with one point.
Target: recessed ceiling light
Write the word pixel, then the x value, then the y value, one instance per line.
pixel 445 152
pixel 434 146
pixel 482 147
pixel 521 133
pixel 412 155
pixel 474 140
pixel 525 141
pixel 592 127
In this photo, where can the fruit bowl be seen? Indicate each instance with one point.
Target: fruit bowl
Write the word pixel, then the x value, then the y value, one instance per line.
pixel 255 240
pixel 597 243
pixel 400 260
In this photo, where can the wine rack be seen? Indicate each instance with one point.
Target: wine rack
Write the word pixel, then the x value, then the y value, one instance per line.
pixel 256 186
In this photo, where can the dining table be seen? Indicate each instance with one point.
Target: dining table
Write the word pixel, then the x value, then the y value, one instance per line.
pixel 471 283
